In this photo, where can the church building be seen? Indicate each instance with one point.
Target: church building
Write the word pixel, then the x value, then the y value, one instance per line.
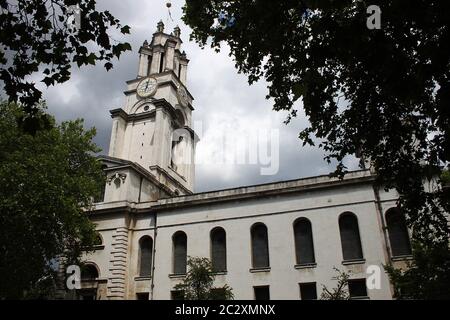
pixel 278 240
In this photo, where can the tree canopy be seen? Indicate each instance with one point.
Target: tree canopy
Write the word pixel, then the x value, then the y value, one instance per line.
pixel 426 276
pixel 340 292
pixel 199 281
pixel 40 37
pixel 382 94
pixel 47 180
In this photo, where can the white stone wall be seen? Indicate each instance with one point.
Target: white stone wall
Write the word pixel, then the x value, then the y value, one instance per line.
pixel 322 207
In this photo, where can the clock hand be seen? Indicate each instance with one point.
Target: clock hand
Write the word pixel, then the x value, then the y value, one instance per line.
pixel 146 87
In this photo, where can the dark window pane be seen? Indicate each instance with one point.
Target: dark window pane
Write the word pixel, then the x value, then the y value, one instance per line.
pixel 218 294
pixel 177 295
pixel 89 273
pixel 88 296
pixel 357 288
pixel 142 296
pixel 146 252
pixel 179 252
pixel 308 291
pixel 219 249
pixel 304 247
pixel 262 293
pixel 351 242
pixel 98 240
pixel 398 233
pixel 260 246
pixel 161 63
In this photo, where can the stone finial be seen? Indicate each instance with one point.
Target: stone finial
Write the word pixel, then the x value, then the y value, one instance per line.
pixel 177 31
pixel 145 43
pixel 160 26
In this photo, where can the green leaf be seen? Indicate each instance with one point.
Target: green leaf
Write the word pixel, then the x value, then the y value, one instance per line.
pixel 125 30
pixel 108 66
pixel 299 90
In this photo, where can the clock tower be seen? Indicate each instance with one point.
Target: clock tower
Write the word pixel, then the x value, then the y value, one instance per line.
pixel 152 133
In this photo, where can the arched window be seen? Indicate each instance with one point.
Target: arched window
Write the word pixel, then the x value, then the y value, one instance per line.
pixel 98 241
pixel 219 249
pixel 260 246
pixel 145 256
pixel 304 247
pixel 179 240
pixel 350 239
pixel 398 233
pixel 89 272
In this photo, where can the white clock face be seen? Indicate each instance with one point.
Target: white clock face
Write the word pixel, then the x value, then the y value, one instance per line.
pixel 147 87
pixel 182 96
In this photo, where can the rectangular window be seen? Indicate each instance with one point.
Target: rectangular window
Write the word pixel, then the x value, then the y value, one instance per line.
pixel 308 291
pixel 142 296
pixel 262 293
pixel 218 294
pixel 357 288
pixel 177 295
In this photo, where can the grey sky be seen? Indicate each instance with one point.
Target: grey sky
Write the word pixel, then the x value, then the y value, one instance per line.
pixel 224 102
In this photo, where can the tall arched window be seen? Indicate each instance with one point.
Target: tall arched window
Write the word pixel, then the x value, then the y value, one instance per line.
pixel 304 247
pixel 145 256
pixel 179 240
pixel 89 272
pixel 260 246
pixel 219 249
pixel 398 233
pixel 350 239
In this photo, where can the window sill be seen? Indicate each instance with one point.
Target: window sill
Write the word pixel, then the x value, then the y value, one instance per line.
pixel 142 278
pixel 219 273
pixel 305 265
pixel 94 248
pixel 360 298
pixel 402 258
pixel 256 270
pixel 353 261
pixel 177 275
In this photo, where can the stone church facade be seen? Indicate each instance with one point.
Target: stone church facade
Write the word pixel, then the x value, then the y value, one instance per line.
pixel 272 241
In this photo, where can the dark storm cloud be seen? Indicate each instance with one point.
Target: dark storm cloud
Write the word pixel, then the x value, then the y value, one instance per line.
pixel 223 101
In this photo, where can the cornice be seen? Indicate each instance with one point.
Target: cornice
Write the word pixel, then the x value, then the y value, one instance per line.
pixel 132 117
pixel 258 191
pixel 126 164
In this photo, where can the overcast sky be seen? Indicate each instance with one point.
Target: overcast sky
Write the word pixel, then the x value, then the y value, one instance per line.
pixel 228 108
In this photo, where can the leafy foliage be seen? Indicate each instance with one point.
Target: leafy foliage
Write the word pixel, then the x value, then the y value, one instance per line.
pixel 46 182
pixel 37 35
pixel 424 277
pixel 445 177
pixel 382 94
pixel 340 292
pixel 198 284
